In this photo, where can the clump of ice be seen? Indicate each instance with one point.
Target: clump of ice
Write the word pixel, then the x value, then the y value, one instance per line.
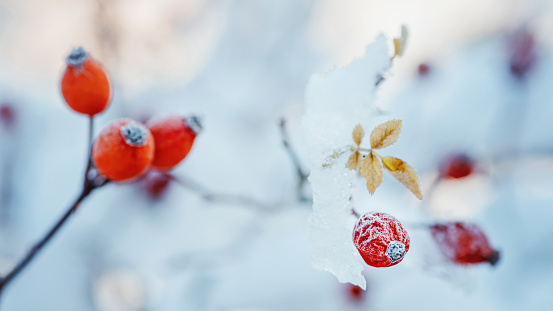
pixel 335 103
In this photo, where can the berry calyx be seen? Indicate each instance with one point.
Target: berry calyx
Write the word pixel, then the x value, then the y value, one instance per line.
pixel 463 243
pixel 174 137
pixel 85 85
pixel 457 166
pixel 124 150
pixel 380 239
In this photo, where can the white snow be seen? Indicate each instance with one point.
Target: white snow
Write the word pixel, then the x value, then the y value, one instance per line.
pixel 335 103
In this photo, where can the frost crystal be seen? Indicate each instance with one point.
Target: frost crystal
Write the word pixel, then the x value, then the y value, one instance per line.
pixel 134 133
pixel 77 57
pixel 395 250
pixel 194 123
pixel 335 103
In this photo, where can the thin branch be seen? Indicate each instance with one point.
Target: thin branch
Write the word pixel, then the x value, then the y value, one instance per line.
pixel 302 177
pixel 90 183
pixel 225 198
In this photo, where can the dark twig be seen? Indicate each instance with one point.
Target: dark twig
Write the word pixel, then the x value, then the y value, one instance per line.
pixel 302 177
pixel 90 183
pixel 213 197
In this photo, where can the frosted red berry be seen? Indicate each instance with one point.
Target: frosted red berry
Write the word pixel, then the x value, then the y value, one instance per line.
pixel 380 239
pixel 463 243
pixel 85 85
pixel 457 166
pixel 174 137
pixel 124 150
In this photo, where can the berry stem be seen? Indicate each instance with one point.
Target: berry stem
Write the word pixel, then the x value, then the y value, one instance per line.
pixel 226 198
pixel 90 183
pixel 302 177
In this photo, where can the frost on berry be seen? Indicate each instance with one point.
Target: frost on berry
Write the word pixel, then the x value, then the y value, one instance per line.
pixel 463 243
pixel 395 251
pixel 77 56
pixel 380 239
pixel 194 123
pixel 134 133
pixel 336 102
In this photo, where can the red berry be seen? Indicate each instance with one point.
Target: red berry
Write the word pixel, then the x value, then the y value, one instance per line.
pixel 355 293
pixel 380 239
pixel 85 85
pixel 458 166
pixel 522 52
pixel 155 184
pixel 423 69
pixel 463 243
pixel 7 115
pixel 123 150
pixel 174 137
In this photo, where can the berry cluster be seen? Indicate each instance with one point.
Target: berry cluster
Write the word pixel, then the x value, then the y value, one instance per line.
pixel 125 149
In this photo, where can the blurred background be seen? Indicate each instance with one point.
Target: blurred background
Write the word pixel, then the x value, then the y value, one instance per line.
pixel 475 81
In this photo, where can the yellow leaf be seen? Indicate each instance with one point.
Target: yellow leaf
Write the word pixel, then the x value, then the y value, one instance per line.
pixel 358 134
pixel 354 160
pixel 401 42
pixel 404 173
pixel 385 134
pixel 398 47
pixel 371 169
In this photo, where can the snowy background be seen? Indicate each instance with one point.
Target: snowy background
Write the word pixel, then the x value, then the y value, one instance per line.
pixel 242 66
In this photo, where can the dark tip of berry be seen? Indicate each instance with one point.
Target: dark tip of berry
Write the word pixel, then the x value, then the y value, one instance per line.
pixel 134 133
pixel 194 123
pixel 395 251
pixel 77 56
pixel 494 258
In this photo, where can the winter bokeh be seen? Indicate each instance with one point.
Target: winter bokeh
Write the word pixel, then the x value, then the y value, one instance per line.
pixel 253 219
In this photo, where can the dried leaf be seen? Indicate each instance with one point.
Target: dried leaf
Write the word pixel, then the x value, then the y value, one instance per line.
pixel 354 161
pixel 401 42
pixel 371 169
pixel 358 134
pixel 385 134
pixel 404 173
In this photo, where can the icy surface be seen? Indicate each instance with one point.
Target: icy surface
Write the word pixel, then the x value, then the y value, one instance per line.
pixel 135 134
pixel 335 103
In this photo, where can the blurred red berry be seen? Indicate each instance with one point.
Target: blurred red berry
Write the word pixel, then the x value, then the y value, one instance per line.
pixel 522 52
pixel 7 115
pixel 463 243
pixel 355 293
pixel 423 69
pixel 156 184
pixel 124 150
pixel 85 85
pixel 380 239
pixel 174 137
pixel 457 166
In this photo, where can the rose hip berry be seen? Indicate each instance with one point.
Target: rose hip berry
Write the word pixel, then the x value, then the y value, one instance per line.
pixel 457 166
pixel 7 115
pixel 174 137
pixel 423 69
pixel 156 184
pixel 463 243
pixel 85 85
pixel 123 150
pixel 380 239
